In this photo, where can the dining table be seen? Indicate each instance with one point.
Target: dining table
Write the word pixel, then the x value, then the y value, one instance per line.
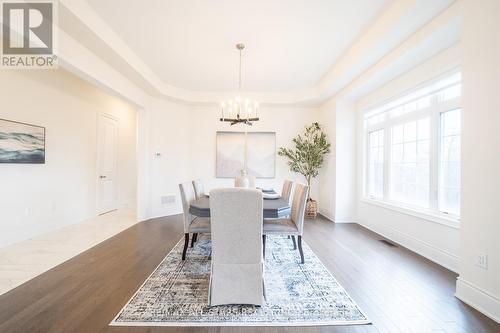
pixel 272 208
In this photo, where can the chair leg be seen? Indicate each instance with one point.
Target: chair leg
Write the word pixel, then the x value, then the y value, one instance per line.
pixel 186 243
pixel 264 246
pixel 300 250
pixel 193 240
pixel 294 244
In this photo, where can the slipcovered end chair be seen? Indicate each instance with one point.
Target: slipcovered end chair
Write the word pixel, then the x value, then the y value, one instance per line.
pixel 199 188
pixel 192 224
pixel 237 266
pixel 293 226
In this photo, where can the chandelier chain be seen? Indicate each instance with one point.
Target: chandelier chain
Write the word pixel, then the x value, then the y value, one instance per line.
pixel 239 82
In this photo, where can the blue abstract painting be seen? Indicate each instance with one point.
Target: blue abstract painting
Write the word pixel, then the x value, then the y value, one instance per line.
pixel 21 143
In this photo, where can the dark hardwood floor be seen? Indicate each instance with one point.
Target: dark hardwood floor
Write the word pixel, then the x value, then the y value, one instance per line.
pixel 399 290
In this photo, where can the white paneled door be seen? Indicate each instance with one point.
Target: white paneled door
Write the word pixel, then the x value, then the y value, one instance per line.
pixel 107 196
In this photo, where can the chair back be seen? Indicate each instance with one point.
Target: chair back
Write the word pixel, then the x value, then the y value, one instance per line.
pixel 286 191
pixel 199 188
pixel 237 265
pixel 299 206
pixel 187 197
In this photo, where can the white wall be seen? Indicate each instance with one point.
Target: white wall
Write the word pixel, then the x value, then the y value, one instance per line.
pixel 345 187
pixel 327 176
pixel 480 227
pixel 37 198
pixel 438 242
pixel 204 123
pixel 169 132
pixel 185 138
pixel 337 196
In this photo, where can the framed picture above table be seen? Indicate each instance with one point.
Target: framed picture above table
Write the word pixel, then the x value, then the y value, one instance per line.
pixel 253 151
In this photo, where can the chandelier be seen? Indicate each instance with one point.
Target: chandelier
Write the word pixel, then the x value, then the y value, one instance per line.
pixel 238 110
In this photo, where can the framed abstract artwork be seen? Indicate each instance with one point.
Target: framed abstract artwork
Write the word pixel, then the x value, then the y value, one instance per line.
pixel 230 154
pixel 261 154
pixel 21 143
pixel 253 151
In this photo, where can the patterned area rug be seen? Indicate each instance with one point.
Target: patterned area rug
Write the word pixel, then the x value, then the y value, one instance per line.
pixel 176 293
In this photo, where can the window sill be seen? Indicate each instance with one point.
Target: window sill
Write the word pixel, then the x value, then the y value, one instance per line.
pixel 448 221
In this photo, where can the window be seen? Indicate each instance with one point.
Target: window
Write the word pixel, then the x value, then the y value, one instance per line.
pixel 376 164
pixel 449 162
pixel 410 162
pixel 413 149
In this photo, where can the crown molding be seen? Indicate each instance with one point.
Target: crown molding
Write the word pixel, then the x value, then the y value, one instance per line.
pixel 380 43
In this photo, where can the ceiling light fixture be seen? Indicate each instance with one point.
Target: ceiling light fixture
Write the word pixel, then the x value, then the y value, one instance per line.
pixel 238 110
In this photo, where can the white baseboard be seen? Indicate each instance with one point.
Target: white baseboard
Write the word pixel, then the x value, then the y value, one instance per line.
pixel 429 251
pixel 325 215
pixel 336 220
pixel 345 220
pixel 127 204
pixel 477 298
pixel 165 212
pixel 345 217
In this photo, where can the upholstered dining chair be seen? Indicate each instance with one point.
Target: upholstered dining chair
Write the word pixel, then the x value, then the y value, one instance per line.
pixel 199 188
pixel 237 266
pixel 192 224
pixel 293 226
pixel 286 191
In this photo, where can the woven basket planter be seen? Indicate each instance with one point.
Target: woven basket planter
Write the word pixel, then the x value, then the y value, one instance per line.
pixel 311 209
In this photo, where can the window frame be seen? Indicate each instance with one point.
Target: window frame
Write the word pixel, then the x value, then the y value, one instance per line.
pixel 434 112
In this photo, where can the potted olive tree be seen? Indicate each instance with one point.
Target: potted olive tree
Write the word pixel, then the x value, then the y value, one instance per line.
pixel 307 158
